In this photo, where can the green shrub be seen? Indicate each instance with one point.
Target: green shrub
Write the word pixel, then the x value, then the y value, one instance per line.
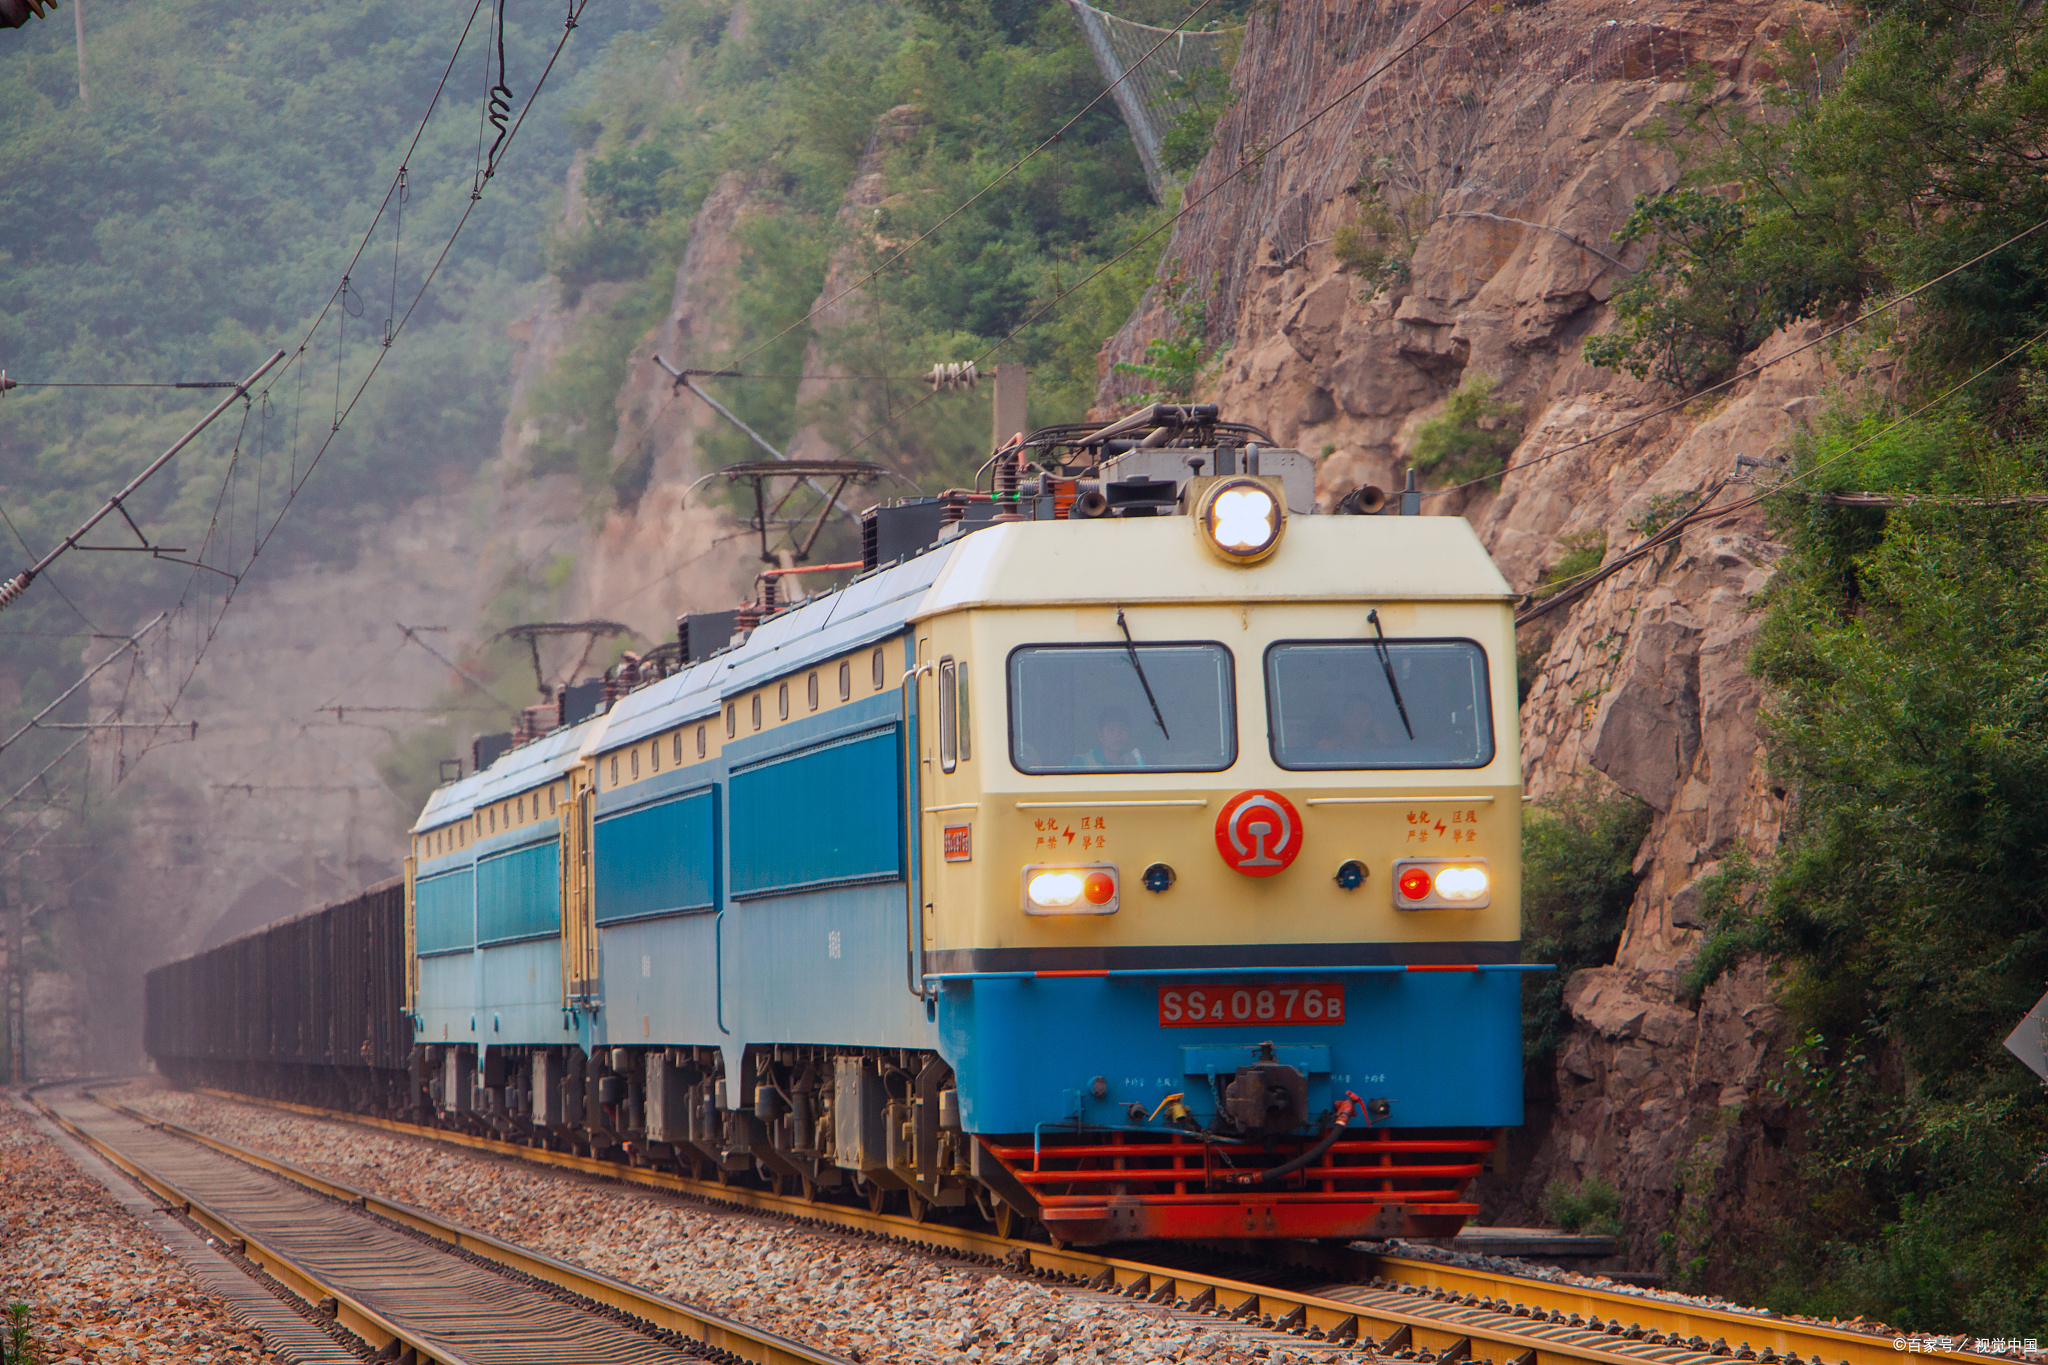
pixel 1698 304
pixel 1177 362
pixel 1593 1206
pixel 1578 880
pixel 1471 436
pixel 1583 551
pixel 1907 911
pixel 1379 243
pixel 1208 95
pixel 1727 904
pixel 16 1348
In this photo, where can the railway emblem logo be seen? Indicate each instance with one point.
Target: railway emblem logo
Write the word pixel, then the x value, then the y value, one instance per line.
pixel 1258 833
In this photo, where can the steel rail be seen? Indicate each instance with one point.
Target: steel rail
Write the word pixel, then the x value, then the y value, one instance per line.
pixel 736 1339
pixel 1437 1306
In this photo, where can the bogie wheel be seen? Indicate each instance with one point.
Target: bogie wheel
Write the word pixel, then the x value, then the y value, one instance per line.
pixel 920 1207
pixel 1008 1222
pixel 809 1188
pixel 878 1197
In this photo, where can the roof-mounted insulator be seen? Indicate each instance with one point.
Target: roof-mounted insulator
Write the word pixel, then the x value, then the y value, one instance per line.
pixel 1009 478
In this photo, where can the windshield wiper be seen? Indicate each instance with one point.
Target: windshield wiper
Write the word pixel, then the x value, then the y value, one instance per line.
pixel 1387 664
pixel 1131 648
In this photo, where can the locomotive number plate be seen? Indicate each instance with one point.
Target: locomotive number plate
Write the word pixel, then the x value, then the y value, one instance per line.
pixel 1319 1002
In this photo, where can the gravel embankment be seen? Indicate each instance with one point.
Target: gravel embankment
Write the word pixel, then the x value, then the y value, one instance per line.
pixel 867 1302
pixel 99 1286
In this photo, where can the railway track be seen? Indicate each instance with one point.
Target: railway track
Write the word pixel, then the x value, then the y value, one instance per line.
pixel 1394 1306
pixel 415 1289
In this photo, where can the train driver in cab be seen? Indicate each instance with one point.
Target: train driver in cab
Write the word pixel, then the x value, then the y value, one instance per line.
pixel 1113 748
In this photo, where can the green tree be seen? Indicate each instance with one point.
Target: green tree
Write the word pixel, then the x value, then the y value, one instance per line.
pixel 1698 304
pixel 1177 361
pixel 1207 95
pixel 1923 154
pixel 1470 436
pixel 1908 911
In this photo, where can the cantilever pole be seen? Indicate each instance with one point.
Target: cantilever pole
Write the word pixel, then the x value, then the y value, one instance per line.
pixel 17 585
pixel 90 674
pixel 683 381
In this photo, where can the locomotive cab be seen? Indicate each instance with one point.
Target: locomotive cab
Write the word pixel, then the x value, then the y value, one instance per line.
pixel 1219 865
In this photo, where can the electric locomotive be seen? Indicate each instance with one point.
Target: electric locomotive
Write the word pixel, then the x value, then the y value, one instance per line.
pixel 1132 849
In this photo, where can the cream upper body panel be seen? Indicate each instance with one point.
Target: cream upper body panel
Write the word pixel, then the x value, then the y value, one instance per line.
pixel 1064 584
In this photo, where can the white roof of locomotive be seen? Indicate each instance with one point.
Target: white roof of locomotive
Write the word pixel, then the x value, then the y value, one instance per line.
pixel 1111 560
pixel 1158 559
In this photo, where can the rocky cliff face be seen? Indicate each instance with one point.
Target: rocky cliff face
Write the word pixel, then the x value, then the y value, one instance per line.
pixel 1496 154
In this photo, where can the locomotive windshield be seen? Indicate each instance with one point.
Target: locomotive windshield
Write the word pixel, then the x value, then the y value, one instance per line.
pixel 1332 704
pixel 1086 708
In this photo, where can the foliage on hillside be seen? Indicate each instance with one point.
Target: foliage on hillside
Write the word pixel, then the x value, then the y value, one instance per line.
pixel 1471 436
pixel 1922 153
pixel 787 95
pixel 1905 911
pixel 194 216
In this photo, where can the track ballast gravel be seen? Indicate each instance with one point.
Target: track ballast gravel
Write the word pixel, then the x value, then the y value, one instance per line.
pixel 101 1289
pixel 870 1302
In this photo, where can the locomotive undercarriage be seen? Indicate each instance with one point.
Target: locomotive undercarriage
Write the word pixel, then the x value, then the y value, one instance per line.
pixel 882 1125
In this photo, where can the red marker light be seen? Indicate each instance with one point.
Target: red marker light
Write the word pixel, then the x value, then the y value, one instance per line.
pixel 1414 884
pixel 1100 888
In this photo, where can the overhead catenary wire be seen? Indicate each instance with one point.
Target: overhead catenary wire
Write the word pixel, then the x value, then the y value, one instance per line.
pixel 62 595
pixel 208 630
pixel 15 586
pixel 120 384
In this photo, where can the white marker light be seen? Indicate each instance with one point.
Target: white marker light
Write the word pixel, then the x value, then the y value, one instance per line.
pixel 1461 883
pixel 1442 884
pixel 1072 889
pixel 1242 519
pixel 1055 890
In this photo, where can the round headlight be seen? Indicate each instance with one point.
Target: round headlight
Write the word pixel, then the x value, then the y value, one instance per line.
pixel 1241 519
pixel 1414 884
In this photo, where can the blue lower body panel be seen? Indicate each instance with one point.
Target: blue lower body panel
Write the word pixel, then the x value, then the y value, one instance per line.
pixel 1443 1048
pixel 1098 1100
pixel 448 998
pixel 522 984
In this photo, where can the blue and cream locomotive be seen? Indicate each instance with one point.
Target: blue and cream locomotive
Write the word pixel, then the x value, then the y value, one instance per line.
pixel 1133 850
